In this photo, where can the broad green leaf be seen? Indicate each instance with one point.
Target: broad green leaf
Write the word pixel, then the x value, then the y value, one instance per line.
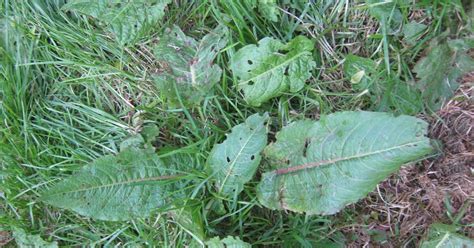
pixel 150 132
pixel 188 65
pixel 272 68
pixel 445 236
pixel 127 20
pixel 439 70
pixel 413 31
pixel 234 161
pixel 318 167
pixel 269 9
pixel 133 141
pixel 145 139
pixel 189 218
pixel 388 13
pixel 24 240
pixel 128 185
pixel 228 242
pixel 405 98
pixel 360 71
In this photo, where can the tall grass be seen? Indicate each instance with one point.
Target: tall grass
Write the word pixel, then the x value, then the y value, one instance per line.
pixel 69 94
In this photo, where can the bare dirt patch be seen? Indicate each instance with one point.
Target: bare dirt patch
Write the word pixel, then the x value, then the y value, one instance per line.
pixel 5 237
pixel 439 189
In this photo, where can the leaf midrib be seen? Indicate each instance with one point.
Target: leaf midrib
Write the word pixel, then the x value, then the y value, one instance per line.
pixel 297 168
pixel 232 165
pixel 275 68
pixel 132 181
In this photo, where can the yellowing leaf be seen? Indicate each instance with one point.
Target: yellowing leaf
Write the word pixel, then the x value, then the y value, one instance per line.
pixel 320 167
pixel 355 79
pixel 360 71
pixel 385 91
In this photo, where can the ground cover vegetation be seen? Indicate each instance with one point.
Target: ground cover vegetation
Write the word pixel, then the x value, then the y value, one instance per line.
pixel 254 123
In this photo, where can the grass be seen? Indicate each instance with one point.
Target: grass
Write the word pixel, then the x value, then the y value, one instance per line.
pixel 69 94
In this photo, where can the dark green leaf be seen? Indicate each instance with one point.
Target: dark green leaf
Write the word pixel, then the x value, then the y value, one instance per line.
pixel 441 68
pixel 388 13
pixel 413 31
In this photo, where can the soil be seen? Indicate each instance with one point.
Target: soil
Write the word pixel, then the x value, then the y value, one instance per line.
pixel 5 237
pixel 438 189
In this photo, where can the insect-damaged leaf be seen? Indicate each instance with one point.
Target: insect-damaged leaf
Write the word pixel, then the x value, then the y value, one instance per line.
pixel 439 70
pixel 188 65
pixel 227 242
pixel 319 167
pixel 128 185
pixel 127 20
pixel 440 235
pixel 272 68
pixel 234 162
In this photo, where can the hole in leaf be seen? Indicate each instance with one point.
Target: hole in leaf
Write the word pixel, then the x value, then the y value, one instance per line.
pixel 283 52
pixel 305 149
pixel 250 83
pixel 286 71
pixel 250 62
pixel 228 160
pixel 252 157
